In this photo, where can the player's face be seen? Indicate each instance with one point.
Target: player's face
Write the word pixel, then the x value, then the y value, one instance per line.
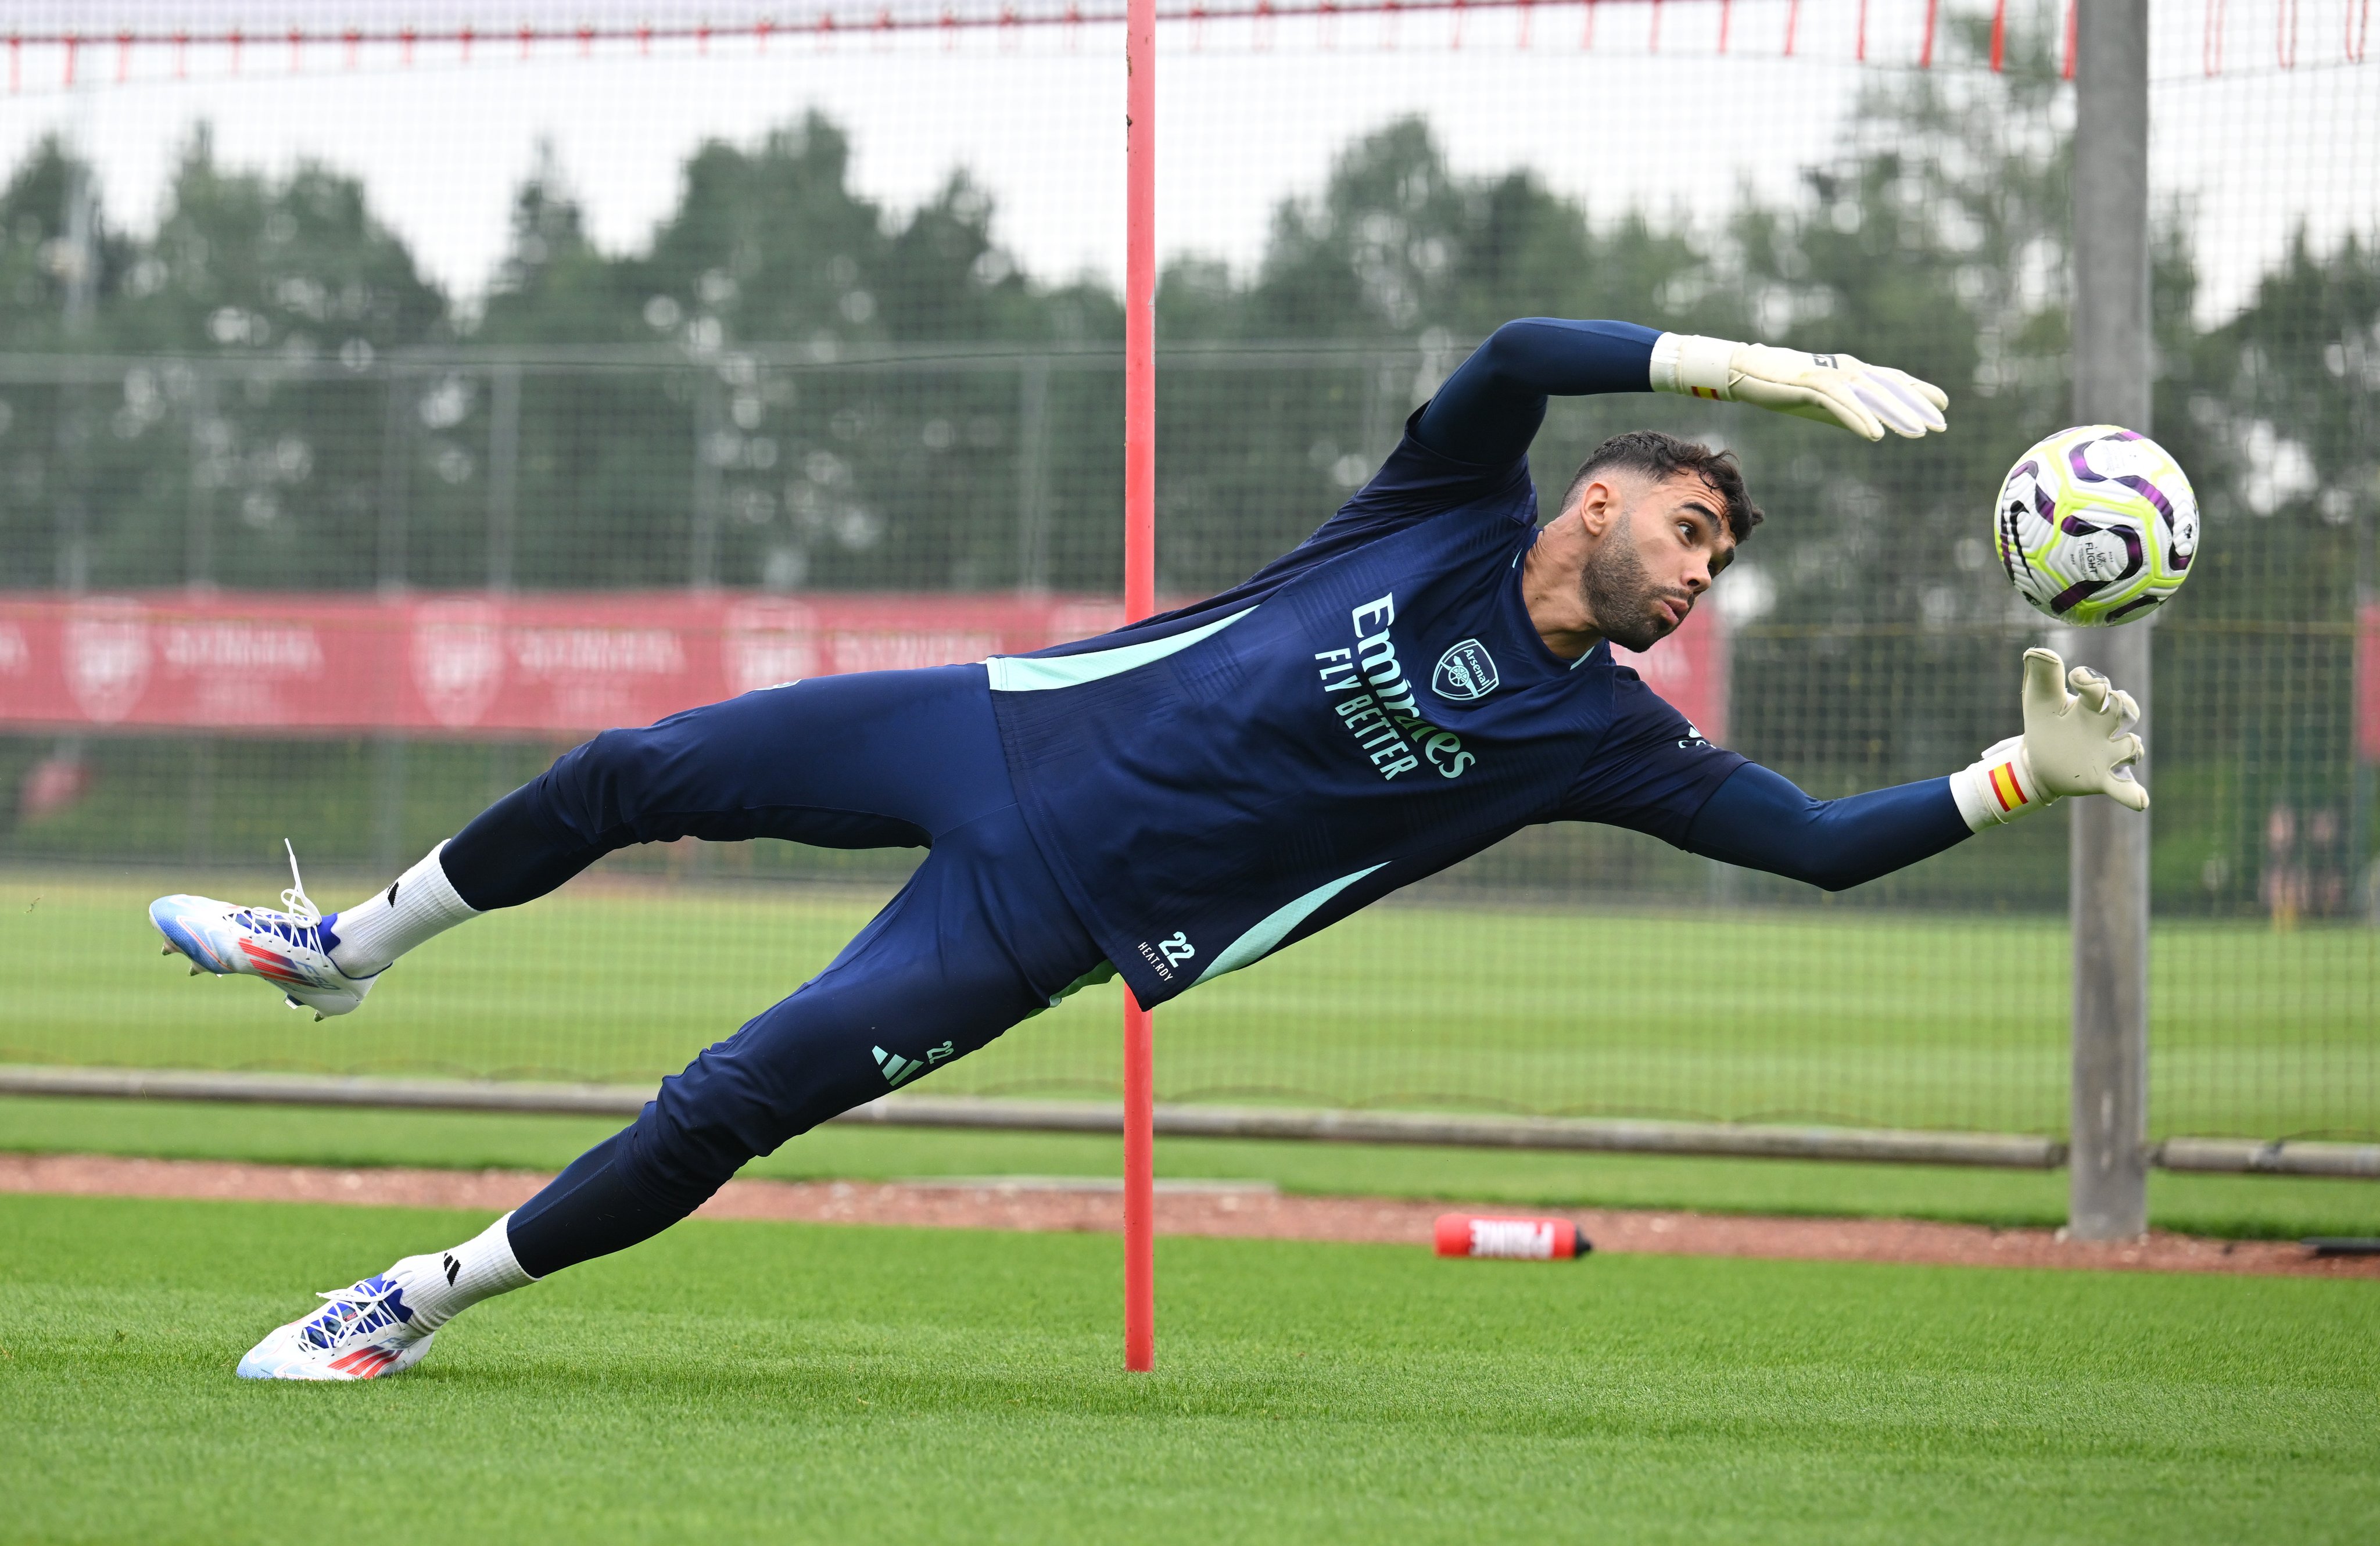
pixel 1668 546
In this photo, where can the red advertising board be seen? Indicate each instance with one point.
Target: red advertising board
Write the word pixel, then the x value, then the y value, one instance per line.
pixel 1689 668
pixel 2367 685
pixel 477 665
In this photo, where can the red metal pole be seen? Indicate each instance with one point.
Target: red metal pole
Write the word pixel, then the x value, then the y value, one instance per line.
pixel 1139 600
pixel 1139 1220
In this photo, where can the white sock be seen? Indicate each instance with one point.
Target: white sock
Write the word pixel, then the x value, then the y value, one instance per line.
pixel 420 904
pixel 439 1286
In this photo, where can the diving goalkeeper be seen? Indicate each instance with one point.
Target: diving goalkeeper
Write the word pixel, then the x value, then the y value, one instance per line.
pixel 1427 673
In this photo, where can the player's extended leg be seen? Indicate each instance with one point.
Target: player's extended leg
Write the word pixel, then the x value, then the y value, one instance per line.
pixel 884 759
pixel 980 938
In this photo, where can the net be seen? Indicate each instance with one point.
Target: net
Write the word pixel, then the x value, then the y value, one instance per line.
pixel 393 405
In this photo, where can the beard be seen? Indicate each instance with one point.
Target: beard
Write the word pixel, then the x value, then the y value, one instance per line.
pixel 1621 594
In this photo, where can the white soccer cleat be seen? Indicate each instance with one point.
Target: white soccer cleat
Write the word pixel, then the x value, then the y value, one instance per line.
pixel 366 1333
pixel 286 948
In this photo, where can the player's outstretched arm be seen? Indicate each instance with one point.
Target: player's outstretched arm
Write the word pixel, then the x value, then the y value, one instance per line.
pixel 1865 399
pixel 1490 408
pixel 1761 820
pixel 2075 743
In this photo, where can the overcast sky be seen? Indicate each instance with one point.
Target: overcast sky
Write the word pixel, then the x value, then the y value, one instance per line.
pixel 1244 121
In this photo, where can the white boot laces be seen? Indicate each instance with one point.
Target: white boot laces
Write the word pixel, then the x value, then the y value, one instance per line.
pixel 295 899
pixel 359 1311
pixel 300 921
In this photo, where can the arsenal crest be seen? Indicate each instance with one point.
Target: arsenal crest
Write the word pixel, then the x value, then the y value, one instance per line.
pixel 1466 674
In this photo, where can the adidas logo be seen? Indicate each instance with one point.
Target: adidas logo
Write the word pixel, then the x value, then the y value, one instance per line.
pixel 453 1269
pixel 899 1070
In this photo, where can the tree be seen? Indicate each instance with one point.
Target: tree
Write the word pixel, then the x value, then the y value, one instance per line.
pixel 282 472
pixel 37 252
pixel 803 471
pixel 59 261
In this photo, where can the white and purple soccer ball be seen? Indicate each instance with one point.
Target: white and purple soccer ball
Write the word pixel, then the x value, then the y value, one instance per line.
pixel 2095 526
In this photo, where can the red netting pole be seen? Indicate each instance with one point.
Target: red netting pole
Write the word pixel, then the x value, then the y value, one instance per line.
pixel 1139 600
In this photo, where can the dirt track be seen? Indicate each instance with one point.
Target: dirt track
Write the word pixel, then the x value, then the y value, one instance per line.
pixel 1243 1213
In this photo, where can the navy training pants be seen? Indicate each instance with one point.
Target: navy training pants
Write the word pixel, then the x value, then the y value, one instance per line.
pixel 978 939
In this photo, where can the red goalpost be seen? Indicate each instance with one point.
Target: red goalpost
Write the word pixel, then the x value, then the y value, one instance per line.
pixel 1139 600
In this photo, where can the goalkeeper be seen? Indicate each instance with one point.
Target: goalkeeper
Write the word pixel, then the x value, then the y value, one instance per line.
pixel 1427 673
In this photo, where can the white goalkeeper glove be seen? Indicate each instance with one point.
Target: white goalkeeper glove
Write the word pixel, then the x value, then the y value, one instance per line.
pixel 1833 388
pixel 2071 745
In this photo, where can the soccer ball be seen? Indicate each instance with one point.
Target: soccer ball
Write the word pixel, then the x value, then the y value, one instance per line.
pixel 2097 525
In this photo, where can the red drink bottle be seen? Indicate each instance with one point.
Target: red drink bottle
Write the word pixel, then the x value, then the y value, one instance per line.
pixel 1518 1240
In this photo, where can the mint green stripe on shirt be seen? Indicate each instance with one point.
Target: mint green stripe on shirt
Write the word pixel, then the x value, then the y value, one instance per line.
pixel 1260 941
pixel 1013 673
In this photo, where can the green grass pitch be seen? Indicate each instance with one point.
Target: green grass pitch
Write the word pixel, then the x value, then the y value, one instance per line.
pixel 773 1383
pixel 1826 1014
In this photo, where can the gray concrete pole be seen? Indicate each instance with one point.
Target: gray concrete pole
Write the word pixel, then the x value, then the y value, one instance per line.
pixel 2108 892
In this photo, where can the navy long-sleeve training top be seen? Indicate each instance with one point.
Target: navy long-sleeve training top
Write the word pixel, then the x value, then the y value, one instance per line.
pixel 1490 409
pixel 1212 784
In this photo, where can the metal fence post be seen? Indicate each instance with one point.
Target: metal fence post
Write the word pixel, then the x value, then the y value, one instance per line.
pixel 199 529
pixel 395 467
pixel 503 474
pixel 2362 867
pixel 198 813
pixel 2109 890
pixel 1033 474
pixel 388 802
pixel 396 485
pixel 80 265
pixel 702 528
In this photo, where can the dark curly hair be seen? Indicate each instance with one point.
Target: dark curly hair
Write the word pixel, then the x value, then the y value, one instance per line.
pixel 1660 456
